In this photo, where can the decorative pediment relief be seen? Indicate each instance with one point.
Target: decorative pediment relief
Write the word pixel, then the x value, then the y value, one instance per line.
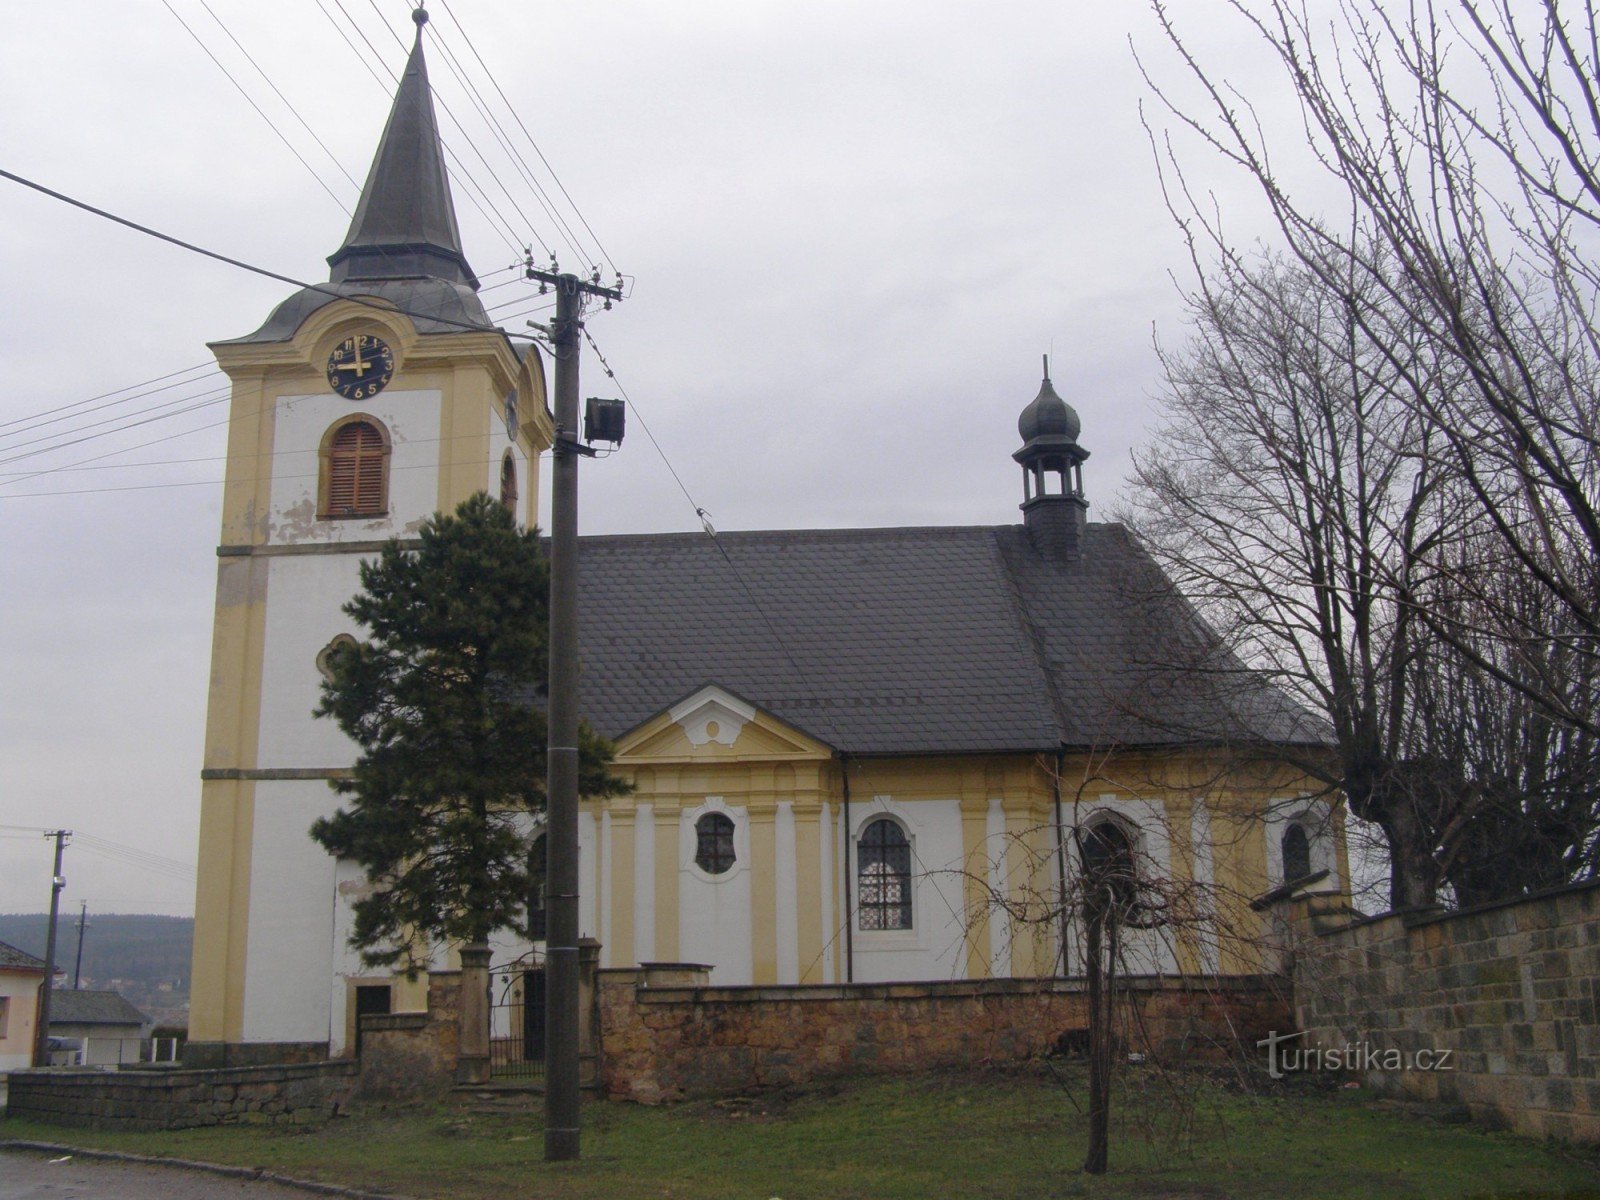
pixel 713 723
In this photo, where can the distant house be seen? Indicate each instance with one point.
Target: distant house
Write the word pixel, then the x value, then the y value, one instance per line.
pixel 106 1027
pixel 20 976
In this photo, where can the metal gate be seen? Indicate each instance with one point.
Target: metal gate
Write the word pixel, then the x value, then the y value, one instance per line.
pixel 516 1022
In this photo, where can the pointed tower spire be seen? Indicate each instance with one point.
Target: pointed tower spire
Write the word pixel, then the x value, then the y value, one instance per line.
pixel 405 226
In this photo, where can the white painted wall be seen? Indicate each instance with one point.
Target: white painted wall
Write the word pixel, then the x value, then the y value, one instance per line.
pixel 304 596
pixel 1144 951
pixel 1315 817
pixel 932 948
pixel 412 420
pixel 293 890
pixel 714 910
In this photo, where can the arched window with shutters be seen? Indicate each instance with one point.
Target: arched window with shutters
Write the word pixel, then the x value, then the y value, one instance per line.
pixel 508 482
pixel 355 469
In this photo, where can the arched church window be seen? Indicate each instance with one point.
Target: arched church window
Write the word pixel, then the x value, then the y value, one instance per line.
pixel 713 848
pixel 355 469
pixel 1110 874
pixel 508 482
pixel 1296 847
pixel 884 874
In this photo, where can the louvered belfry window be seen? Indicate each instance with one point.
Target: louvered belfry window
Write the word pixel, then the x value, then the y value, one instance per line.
pixel 357 472
pixel 508 483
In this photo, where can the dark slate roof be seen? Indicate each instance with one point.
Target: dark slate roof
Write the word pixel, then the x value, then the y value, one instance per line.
pixel 404 245
pixel 914 641
pixel 18 960
pixel 73 1006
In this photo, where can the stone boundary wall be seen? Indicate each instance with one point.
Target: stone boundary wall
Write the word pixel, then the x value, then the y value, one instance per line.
pixel 1509 989
pixel 410 1055
pixel 182 1099
pixel 667 1036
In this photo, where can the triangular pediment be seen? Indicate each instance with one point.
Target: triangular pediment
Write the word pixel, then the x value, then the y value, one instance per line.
pixel 713 723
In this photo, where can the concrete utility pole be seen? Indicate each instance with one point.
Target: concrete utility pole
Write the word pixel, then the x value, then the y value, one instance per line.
pixel 77 966
pixel 561 1088
pixel 41 1045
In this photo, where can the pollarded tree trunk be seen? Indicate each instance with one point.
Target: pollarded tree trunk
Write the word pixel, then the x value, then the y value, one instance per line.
pixel 1101 953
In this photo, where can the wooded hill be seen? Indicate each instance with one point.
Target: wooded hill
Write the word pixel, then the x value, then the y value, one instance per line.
pixel 139 948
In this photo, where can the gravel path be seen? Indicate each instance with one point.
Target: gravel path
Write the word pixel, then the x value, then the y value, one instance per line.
pixel 29 1176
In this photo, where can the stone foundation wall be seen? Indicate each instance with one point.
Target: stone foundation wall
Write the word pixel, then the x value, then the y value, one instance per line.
pixel 407 1056
pixel 1508 989
pixel 183 1099
pixel 665 1036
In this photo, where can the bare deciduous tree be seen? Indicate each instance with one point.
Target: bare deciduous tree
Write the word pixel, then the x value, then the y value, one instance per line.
pixel 1300 496
pixel 1462 141
pixel 1381 479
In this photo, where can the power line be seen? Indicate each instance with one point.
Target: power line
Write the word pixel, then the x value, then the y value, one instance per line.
pixel 303 122
pixel 179 483
pixel 322 289
pixel 80 404
pixel 493 213
pixel 517 117
pixel 259 110
pixel 204 400
pixel 502 138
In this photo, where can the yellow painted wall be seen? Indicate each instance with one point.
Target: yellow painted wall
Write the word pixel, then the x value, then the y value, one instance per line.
pixel 673 774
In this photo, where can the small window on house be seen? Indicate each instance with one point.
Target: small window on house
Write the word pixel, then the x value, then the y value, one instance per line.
pixel 536 901
pixel 884 872
pixel 508 483
pixel 713 851
pixel 1296 847
pixel 5 1014
pixel 355 470
pixel 1109 872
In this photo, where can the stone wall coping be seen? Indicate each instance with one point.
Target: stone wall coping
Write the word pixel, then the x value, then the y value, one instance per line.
pixel 942 989
pixel 1434 914
pixel 1510 902
pixel 184 1077
pixel 373 1022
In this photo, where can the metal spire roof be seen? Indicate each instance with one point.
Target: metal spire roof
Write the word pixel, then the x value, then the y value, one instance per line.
pixel 405 225
pixel 404 245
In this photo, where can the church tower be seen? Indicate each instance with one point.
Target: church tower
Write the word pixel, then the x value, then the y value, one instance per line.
pixel 361 407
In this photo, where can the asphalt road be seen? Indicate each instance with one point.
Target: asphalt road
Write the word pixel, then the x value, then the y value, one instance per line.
pixel 36 1177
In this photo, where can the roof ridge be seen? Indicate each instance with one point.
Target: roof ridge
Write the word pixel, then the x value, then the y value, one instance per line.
pixel 883 532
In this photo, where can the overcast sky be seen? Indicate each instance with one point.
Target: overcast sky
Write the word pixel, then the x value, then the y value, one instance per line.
pixel 853 230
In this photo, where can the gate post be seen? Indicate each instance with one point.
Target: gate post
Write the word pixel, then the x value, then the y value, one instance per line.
pixel 588 1013
pixel 472 1053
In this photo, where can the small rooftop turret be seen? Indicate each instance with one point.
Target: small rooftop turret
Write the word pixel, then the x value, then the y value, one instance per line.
pixel 1053 508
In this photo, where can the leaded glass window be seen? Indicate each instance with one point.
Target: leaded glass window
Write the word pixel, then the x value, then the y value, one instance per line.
pixel 884 871
pixel 713 851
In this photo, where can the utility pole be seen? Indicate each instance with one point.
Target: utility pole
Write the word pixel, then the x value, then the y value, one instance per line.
pixel 561 1087
pixel 83 923
pixel 41 1045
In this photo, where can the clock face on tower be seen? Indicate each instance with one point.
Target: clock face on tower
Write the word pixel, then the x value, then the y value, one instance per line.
pixel 360 366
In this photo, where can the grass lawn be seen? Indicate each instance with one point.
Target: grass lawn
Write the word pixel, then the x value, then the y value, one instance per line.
pixel 1003 1133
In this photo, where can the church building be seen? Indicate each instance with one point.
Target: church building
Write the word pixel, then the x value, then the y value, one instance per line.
pixel 857 755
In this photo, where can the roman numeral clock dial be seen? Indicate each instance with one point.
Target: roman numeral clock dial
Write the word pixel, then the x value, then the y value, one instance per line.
pixel 360 367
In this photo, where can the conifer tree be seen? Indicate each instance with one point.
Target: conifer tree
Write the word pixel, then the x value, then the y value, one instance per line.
pixel 445 699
